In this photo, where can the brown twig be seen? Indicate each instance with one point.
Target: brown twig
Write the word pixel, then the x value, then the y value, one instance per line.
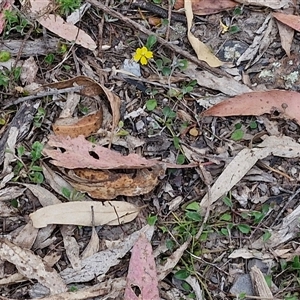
pixel 43 94
pixel 148 32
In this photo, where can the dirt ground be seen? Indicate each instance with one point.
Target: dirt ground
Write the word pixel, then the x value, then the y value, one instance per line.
pixel 198 140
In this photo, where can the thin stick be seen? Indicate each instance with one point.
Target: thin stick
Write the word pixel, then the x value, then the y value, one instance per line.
pixel 44 94
pixel 162 41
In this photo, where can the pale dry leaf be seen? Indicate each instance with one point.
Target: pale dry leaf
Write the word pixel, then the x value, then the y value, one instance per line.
pixel 260 284
pixel 56 182
pixel 71 246
pixel 247 254
pixel 69 106
pixel 7 210
pixel 44 196
pixel 32 266
pixel 171 262
pixel 142 272
pixel 93 245
pixel 29 71
pixel 101 262
pixel 9 155
pixel 80 213
pixel 228 86
pixel 202 51
pixel 285 231
pixel 278 146
pixel 283 103
pixel 274 4
pixel 80 153
pixel 11 192
pixel 26 237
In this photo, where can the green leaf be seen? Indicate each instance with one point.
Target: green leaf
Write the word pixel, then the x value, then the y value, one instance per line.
pixel 227 201
pixel 237 135
pixel 168 112
pixel 159 64
pixel 14 203
pixel 166 71
pixel 180 159
pixel 4 56
pixel 296 263
pixel 66 192
pixel 151 220
pixel 192 215
pixel 151 104
pixel 194 206
pixel 225 217
pixel 151 41
pixel 21 151
pixel 234 29
pixel 176 142
pixel 224 231
pixel 49 58
pixel 36 168
pixel 182 274
pixel 36 152
pixel 244 228
pixel 170 244
pixel 253 125
pixel 182 64
pixel 242 296
pixel 36 177
pixel 268 279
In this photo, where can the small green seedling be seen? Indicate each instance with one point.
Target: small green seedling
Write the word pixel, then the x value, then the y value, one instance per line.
pixel 39 117
pixel 66 7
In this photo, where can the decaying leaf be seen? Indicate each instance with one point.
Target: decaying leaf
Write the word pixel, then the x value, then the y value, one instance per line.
pixel 92 88
pixel 32 266
pixel 101 262
pixel 74 127
pixel 202 51
pixel 207 7
pixel 79 153
pixel 142 272
pixel 278 146
pixel 80 213
pixel 282 103
pixel 108 185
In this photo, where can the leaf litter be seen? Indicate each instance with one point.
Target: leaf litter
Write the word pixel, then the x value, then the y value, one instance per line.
pixel 255 174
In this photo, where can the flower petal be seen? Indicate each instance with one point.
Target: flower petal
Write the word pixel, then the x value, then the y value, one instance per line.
pixel 149 54
pixel 137 56
pixel 143 60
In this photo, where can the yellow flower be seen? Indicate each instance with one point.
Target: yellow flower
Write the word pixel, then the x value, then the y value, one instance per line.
pixel 142 55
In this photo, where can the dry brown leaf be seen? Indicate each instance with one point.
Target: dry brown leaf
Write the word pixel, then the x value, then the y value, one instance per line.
pixel 80 153
pixel 207 7
pixel 90 89
pixel 26 237
pixel 74 127
pixel 286 34
pixel 32 266
pixel 80 213
pixel 56 24
pixel 202 51
pixel 289 20
pixel 108 185
pixel 284 103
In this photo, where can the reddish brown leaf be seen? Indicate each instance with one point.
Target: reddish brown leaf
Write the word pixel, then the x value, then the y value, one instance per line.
pixel 207 7
pixel 284 104
pixel 142 282
pixel 108 185
pixel 79 153
pixel 290 20
pixel 74 127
